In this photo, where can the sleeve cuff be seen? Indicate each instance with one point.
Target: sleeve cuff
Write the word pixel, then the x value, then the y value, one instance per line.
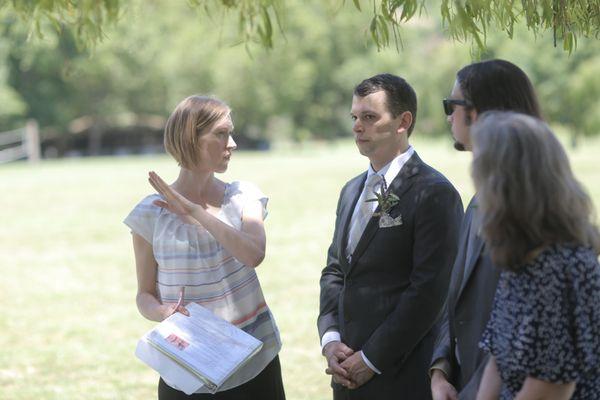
pixel 366 360
pixel 440 364
pixel 330 336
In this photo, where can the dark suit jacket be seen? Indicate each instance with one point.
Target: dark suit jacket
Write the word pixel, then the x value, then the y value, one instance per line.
pixel 387 300
pixel 470 300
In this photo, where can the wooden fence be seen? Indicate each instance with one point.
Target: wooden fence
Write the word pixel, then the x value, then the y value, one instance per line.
pixel 22 143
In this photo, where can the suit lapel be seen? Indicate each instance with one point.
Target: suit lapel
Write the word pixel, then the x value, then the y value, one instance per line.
pixel 399 186
pixel 461 256
pixel 474 248
pixel 349 203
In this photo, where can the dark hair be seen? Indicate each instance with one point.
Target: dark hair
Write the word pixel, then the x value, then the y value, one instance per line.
pixel 527 193
pixel 400 96
pixel 498 85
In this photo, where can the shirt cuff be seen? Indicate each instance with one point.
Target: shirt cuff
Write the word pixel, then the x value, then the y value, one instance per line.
pixel 330 336
pixel 366 360
pixel 440 364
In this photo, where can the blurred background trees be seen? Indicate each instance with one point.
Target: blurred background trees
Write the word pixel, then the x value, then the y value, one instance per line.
pixel 154 53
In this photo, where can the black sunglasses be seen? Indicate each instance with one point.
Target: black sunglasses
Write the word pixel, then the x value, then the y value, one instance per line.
pixel 450 103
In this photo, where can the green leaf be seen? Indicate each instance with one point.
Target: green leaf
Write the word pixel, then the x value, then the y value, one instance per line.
pixel 373 30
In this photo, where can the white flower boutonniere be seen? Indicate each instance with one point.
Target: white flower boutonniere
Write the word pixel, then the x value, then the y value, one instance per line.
pixel 386 201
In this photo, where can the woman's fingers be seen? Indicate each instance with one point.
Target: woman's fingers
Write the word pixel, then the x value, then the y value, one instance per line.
pixel 154 186
pixel 161 204
pixel 154 182
pixel 172 200
pixel 160 186
pixel 180 309
pixel 183 310
pixel 179 306
pixel 160 182
pixel 157 183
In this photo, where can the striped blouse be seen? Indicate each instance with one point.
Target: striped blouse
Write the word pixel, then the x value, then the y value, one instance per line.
pixel 188 255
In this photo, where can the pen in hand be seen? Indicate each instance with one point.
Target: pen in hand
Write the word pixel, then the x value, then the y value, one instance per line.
pixel 179 307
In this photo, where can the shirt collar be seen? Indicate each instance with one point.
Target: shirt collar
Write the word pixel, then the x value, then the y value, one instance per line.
pixel 391 169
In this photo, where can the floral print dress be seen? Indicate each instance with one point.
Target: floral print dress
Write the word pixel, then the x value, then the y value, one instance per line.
pixel 545 322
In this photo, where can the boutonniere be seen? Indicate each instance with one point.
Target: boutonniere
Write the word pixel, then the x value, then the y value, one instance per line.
pixel 386 201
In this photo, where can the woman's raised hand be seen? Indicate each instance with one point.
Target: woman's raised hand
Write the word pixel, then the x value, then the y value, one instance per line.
pixel 174 202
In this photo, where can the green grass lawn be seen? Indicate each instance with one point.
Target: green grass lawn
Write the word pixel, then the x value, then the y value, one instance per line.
pixel 69 323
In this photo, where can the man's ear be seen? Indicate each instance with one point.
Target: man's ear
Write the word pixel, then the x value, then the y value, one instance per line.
pixel 472 116
pixel 406 119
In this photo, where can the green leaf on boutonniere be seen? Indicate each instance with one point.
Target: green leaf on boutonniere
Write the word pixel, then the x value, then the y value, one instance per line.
pixel 385 199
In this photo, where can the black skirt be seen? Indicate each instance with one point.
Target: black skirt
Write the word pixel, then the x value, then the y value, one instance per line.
pixel 267 385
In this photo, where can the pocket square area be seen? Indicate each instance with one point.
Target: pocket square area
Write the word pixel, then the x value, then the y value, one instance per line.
pixel 386 221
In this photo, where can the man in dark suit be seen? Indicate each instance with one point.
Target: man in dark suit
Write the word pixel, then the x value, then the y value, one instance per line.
pixel 458 363
pixel 389 262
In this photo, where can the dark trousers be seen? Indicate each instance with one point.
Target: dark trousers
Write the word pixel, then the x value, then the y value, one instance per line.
pixel 267 385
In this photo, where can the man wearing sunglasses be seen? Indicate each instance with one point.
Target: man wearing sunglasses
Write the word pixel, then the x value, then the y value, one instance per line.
pixel 458 363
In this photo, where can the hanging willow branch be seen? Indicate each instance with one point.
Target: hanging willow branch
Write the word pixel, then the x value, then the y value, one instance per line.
pixel 464 20
pixel 86 18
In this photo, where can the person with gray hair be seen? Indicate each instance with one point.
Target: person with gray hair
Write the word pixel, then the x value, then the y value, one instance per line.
pixel 537 221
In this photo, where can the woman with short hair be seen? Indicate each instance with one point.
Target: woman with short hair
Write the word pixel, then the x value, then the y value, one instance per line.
pixel 207 236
